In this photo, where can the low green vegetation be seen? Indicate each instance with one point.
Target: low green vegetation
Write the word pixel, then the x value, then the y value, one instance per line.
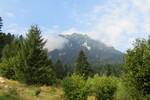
pixel 74 88
pixel 37 92
pixel 102 88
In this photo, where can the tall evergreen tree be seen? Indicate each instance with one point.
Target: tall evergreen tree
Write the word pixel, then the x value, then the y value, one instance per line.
pixel 1 24
pixel 61 71
pixel 83 67
pixel 33 62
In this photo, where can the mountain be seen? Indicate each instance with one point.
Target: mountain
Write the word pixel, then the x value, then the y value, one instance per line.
pixel 95 51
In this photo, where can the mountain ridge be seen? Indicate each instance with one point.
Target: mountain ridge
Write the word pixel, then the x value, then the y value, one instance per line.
pixel 95 51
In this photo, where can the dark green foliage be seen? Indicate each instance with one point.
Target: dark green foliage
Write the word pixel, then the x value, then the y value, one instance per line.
pixel 61 71
pixel 83 67
pixel 37 92
pixel 7 68
pixel 111 69
pixel 103 88
pixel 33 63
pixel 74 88
pixel 11 50
pixel 9 59
pixel 1 24
pixel 136 73
pixel 4 40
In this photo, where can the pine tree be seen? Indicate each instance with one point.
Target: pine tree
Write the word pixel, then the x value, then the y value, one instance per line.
pixel 33 66
pixel 1 24
pixel 61 71
pixel 58 67
pixel 83 67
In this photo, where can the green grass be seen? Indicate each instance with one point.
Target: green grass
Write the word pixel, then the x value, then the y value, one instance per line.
pixel 7 98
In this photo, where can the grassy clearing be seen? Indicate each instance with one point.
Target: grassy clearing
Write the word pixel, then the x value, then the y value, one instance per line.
pixel 28 92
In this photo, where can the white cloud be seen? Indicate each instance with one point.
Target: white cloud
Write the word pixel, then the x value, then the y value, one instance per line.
pixel 70 31
pixel 55 26
pixel 73 30
pixel 54 42
pixel 97 9
pixel 117 22
pixel 10 14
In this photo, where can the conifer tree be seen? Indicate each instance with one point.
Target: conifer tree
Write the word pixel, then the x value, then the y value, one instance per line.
pixel 58 67
pixel 33 66
pixel 83 67
pixel 1 24
pixel 61 71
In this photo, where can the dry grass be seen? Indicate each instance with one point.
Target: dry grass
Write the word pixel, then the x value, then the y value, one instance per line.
pixel 13 83
pixel 91 98
pixel 28 92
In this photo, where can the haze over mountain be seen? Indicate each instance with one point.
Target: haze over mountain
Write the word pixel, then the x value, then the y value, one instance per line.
pixel 95 51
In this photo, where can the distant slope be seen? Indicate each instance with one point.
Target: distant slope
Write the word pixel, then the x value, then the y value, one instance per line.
pixel 95 51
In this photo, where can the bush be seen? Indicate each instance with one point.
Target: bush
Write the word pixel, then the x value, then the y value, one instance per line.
pixel 37 92
pixel 103 88
pixel 74 88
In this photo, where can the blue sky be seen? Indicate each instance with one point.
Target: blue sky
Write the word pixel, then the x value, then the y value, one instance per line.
pixel 114 22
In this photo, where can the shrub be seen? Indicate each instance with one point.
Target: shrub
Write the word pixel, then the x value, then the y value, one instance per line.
pixel 103 88
pixel 74 88
pixel 37 92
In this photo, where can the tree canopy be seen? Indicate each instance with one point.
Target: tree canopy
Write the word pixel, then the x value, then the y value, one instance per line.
pixel 137 68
